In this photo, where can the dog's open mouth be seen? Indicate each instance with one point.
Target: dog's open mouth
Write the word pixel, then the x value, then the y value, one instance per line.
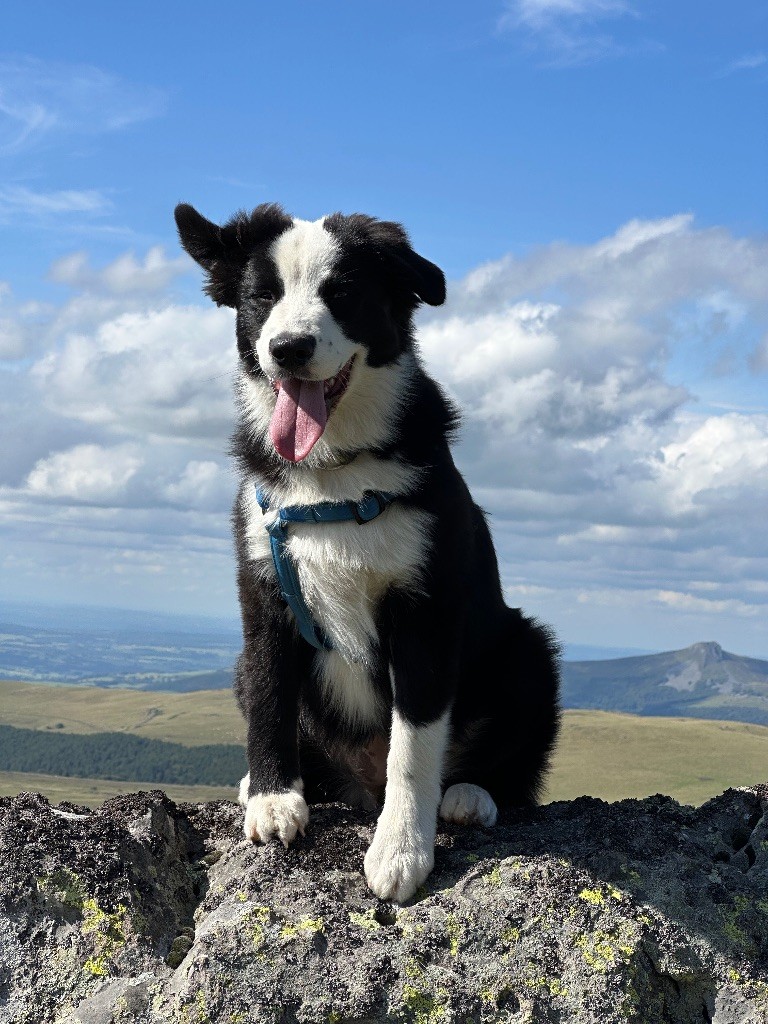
pixel 302 410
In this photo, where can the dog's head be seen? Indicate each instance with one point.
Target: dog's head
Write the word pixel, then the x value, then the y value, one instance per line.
pixel 316 302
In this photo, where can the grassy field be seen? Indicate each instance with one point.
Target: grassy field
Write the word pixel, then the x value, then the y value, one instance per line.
pixel 614 756
pixel 93 792
pixel 206 716
pixel 600 753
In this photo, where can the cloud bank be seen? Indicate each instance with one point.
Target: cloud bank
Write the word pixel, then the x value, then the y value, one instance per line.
pixel 603 432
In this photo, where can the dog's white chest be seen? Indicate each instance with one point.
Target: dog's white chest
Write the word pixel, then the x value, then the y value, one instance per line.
pixel 345 568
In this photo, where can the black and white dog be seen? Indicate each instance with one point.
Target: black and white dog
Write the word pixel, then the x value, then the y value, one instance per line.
pixel 379 658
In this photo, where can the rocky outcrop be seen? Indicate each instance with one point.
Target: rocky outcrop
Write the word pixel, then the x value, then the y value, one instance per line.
pixel 149 912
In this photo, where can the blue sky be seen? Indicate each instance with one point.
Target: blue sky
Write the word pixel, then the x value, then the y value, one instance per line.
pixel 589 173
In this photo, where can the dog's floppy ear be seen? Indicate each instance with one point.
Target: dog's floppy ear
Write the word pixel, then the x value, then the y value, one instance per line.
pixel 421 277
pixel 223 251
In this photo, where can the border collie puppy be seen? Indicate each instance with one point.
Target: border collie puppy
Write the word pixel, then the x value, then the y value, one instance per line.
pixel 380 662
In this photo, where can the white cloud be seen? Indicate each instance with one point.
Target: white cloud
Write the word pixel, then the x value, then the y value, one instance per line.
pixel 86 472
pixel 538 14
pixel 39 99
pixel 583 442
pixel 721 463
pixel 160 371
pixel 17 199
pixel 124 275
pixel 566 30
pixel 748 62
pixel 204 484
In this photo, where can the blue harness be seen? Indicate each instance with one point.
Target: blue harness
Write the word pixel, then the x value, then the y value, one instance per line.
pixel 371 505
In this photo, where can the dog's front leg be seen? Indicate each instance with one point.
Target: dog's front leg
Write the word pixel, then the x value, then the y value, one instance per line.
pixel 272 791
pixel 402 853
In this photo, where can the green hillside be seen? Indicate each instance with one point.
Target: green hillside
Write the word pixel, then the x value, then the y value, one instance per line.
pixel 602 754
pixel 613 756
pixel 207 716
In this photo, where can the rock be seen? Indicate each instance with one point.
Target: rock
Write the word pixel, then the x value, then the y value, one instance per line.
pixel 152 912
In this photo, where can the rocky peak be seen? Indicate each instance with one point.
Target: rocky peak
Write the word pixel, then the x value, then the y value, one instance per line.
pixel 707 652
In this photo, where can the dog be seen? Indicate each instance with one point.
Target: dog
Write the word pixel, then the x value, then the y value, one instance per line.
pixel 380 661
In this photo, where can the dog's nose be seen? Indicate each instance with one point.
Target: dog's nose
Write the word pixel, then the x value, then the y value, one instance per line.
pixel 292 351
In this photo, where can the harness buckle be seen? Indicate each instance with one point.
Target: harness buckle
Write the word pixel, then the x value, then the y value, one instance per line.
pixel 364 511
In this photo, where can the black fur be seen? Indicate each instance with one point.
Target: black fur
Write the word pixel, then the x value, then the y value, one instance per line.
pixel 452 642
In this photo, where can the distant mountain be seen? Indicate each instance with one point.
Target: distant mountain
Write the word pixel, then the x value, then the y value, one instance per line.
pixel 701 681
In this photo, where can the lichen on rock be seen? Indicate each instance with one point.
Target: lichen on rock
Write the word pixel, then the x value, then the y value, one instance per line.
pixel 149 912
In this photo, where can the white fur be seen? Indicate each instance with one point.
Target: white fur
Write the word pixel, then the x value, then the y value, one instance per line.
pixel 347 687
pixel 281 815
pixel 402 853
pixel 344 567
pixel 466 804
pixel 304 257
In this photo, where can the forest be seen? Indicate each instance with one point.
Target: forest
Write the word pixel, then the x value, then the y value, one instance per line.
pixel 115 755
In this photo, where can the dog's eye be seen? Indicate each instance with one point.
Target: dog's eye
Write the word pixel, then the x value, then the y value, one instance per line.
pixel 339 293
pixel 265 297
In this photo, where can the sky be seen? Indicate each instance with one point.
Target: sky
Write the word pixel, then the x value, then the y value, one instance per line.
pixel 591 176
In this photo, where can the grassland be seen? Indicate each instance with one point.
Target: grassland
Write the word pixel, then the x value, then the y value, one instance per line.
pixel 604 754
pixel 93 792
pixel 194 719
pixel 613 756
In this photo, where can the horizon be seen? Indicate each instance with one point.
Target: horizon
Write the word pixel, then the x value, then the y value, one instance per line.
pixel 591 178
pixel 34 615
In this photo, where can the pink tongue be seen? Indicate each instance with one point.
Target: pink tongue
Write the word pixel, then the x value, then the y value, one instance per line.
pixel 299 417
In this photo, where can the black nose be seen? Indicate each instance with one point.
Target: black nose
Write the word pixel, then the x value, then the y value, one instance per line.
pixel 292 351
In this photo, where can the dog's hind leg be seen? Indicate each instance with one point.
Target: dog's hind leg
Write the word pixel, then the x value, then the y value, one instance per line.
pixel 467 804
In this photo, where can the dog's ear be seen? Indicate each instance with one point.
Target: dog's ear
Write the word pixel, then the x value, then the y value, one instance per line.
pixel 222 251
pixel 422 278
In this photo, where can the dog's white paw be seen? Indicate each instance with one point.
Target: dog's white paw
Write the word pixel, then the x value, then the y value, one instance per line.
pixel 396 865
pixel 278 815
pixel 465 804
pixel 242 796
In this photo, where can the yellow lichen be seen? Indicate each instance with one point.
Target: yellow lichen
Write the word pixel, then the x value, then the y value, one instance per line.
pixel 534 979
pixel 366 920
pixel 423 1007
pixel 312 925
pixel 593 896
pixel 601 950
pixel 260 917
pixel 493 877
pixel 109 933
pixel 453 928
pixel 198 1008
pixel 65 885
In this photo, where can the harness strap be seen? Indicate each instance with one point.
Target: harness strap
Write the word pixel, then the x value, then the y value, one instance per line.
pixel 371 505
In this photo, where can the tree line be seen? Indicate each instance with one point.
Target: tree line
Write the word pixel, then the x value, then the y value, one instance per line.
pixel 119 756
